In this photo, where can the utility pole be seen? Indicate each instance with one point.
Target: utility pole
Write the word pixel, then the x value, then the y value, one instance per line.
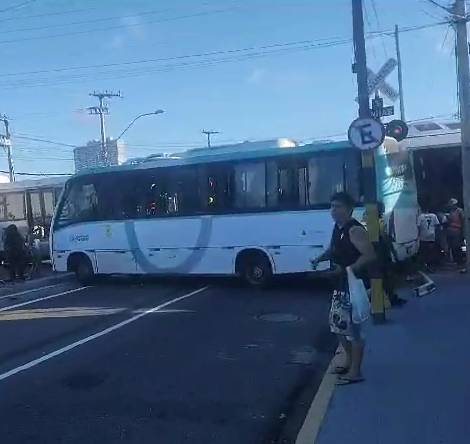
pixel 209 133
pixel 463 72
pixel 101 111
pixel 5 141
pixel 368 161
pixel 400 74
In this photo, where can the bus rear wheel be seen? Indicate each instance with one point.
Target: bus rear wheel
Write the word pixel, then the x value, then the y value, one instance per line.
pixel 255 269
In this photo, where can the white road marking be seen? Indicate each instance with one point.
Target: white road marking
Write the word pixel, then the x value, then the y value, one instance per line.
pixel 45 298
pixel 104 332
pixel 28 291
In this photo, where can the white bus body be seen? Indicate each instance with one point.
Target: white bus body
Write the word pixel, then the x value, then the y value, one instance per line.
pixel 255 213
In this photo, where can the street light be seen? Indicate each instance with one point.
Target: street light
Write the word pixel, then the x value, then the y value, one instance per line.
pixel 158 111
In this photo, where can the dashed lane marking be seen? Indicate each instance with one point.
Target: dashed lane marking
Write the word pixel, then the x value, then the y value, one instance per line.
pixel 33 290
pixel 45 298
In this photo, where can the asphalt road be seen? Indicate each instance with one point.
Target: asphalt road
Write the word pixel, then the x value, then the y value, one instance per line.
pixel 168 362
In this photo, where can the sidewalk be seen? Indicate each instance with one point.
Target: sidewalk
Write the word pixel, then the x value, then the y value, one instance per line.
pixel 44 276
pixel 417 370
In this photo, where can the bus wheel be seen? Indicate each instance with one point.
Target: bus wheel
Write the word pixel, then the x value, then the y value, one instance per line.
pixel 84 271
pixel 255 269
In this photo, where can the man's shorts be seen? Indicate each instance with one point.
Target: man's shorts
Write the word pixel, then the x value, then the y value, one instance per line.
pixel 358 332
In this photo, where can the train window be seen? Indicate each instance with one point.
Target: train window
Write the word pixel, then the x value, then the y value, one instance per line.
pixel 48 204
pixel 15 206
pixel 36 212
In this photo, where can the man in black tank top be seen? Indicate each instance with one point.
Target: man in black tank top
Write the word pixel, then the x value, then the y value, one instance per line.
pixel 349 247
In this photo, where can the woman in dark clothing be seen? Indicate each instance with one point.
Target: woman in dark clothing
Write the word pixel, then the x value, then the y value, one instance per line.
pixel 14 246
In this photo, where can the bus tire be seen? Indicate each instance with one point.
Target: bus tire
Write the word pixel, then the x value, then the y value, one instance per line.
pixel 83 269
pixel 255 268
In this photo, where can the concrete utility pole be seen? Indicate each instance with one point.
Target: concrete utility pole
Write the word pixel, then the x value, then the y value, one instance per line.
pixel 209 133
pixel 463 71
pixel 400 74
pixel 5 141
pixel 368 161
pixel 101 110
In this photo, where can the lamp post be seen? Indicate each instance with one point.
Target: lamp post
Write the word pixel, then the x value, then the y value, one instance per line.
pixel 158 111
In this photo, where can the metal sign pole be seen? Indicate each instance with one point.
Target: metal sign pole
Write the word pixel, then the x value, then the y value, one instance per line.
pixel 368 163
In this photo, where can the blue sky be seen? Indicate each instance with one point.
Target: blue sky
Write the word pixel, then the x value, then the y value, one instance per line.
pixel 299 93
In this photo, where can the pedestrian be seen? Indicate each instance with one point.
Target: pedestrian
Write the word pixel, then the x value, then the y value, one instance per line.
pixel 428 227
pixel 442 236
pixel 349 247
pixel 387 258
pixel 455 233
pixel 14 246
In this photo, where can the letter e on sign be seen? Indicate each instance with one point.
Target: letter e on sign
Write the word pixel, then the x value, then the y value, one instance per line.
pixel 366 133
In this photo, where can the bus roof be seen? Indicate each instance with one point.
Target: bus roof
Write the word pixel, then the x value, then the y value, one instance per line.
pixel 209 155
pixel 22 185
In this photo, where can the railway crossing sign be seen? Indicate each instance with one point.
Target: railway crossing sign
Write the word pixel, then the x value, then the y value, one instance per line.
pixel 4 141
pixel 379 110
pixel 376 81
pixel 366 133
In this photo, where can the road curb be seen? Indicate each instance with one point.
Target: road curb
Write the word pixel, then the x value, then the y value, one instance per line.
pixel 316 413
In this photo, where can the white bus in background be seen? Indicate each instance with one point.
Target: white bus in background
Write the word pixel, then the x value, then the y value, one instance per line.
pixel 29 204
pixel 248 210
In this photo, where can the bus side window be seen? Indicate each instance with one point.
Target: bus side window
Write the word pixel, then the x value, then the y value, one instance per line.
pixel 185 190
pixel 353 173
pixel 250 183
pixel 326 176
pixel 215 188
pixel 287 183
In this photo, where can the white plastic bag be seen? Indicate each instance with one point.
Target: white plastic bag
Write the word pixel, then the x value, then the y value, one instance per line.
pixel 358 297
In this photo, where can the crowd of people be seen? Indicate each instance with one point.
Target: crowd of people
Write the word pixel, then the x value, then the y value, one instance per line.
pixel 441 237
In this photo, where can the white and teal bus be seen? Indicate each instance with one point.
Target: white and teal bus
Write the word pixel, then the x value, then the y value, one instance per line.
pixel 249 210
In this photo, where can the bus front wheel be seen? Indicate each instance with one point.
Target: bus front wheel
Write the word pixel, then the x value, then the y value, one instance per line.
pixel 255 269
pixel 84 270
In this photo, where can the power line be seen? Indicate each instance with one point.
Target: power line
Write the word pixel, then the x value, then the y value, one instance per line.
pixel 438 5
pixel 88 22
pixel 166 59
pixel 331 41
pixel 34 139
pixel 164 68
pixel 48 14
pixel 38 174
pixel 75 11
pixel 17 6
pixel 109 28
pixel 377 19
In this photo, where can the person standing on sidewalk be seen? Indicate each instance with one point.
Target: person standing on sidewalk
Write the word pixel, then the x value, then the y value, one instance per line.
pixel 349 247
pixel 428 226
pixel 455 233
pixel 14 245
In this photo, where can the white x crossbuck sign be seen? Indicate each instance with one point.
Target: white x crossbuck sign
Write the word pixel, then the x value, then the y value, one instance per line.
pixel 377 81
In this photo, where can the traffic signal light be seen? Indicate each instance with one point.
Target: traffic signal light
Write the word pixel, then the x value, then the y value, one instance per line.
pixel 396 129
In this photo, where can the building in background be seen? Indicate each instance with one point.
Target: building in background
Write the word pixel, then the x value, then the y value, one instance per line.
pixel 89 156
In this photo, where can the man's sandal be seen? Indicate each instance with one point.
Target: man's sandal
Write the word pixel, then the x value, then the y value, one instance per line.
pixel 345 380
pixel 340 370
